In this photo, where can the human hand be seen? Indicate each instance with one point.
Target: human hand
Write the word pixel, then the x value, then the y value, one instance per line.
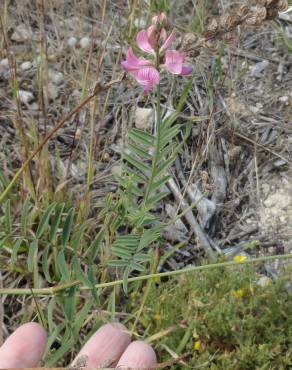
pixel 109 346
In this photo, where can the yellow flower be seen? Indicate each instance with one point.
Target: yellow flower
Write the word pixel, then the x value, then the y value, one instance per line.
pixel 262 346
pixel 157 280
pixel 240 258
pixel 157 317
pixel 238 293
pixel 198 345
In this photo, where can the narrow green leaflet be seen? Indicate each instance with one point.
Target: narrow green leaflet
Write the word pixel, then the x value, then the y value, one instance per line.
pixel 15 250
pixel 63 266
pixel 45 263
pixel 44 221
pixel 80 275
pixel 141 137
pixel 56 220
pixel 95 245
pixel 3 180
pixel 67 227
pixel 136 163
pixel 8 217
pixel 81 317
pixel 24 216
pixel 32 252
pixel 148 237
pixel 139 152
pixel 157 184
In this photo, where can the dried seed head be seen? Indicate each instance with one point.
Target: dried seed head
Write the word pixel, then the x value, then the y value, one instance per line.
pixel 228 22
pixel 191 44
pixel 272 13
pixel 256 16
pixel 212 26
pixel 243 10
pixel 265 3
pixel 282 5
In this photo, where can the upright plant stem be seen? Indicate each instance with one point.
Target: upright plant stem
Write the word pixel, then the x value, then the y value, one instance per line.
pixel 157 144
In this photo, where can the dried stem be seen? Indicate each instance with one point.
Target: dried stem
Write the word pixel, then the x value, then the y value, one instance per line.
pixel 58 288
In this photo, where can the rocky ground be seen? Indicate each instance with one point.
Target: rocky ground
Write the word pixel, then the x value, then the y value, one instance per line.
pixel 241 155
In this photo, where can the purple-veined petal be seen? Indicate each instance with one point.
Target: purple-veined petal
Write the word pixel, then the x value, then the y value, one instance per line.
pixel 132 59
pixel 147 88
pixel 167 43
pixel 163 35
pixel 174 61
pixel 152 36
pixel 148 76
pixel 186 70
pixel 133 63
pixel 143 42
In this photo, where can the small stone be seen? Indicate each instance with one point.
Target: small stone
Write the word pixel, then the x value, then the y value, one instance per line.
pixel 52 91
pixel 143 118
pixel 85 42
pixel 116 170
pixel 265 189
pixel 258 68
pixel 25 66
pixel 264 281
pixel 21 33
pixel 284 99
pixel 255 108
pixel 4 63
pixel 72 41
pixel 25 96
pixel 78 133
pixel 34 106
pixel 56 77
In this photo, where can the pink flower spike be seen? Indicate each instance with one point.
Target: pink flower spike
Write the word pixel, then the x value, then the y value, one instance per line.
pixel 160 18
pixel 167 43
pixel 142 40
pixel 133 63
pixel 174 61
pixel 147 77
pixel 186 70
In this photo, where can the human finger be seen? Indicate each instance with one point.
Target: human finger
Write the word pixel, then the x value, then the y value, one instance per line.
pixel 24 347
pixel 138 355
pixel 105 347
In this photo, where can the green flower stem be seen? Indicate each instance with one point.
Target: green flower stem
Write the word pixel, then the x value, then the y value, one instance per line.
pixel 157 144
pixel 59 288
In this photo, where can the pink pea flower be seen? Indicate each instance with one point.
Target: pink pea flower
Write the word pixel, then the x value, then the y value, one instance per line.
pixel 142 70
pixel 174 63
pixel 155 40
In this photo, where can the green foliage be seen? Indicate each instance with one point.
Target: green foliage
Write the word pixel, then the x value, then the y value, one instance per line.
pixel 50 241
pixel 239 324
pixel 146 161
pixel 160 6
pixel 198 21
